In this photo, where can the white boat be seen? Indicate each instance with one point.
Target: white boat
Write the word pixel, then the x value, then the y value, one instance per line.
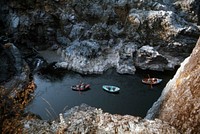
pixel 112 89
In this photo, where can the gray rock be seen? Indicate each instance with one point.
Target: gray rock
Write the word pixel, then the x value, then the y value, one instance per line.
pixel 159 24
pixel 86 119
pixel 19 68
pixel 148 58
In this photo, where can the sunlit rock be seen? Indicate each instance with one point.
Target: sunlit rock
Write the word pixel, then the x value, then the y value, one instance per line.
pixel 179 103
pixel 86 119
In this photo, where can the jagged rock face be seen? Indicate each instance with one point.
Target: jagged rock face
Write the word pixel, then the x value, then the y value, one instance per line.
pixel 85 119
pixel 109 25
pixel 14 71
pixel 180 100
pixel 148 57
pixel 6 70
pixel 189 7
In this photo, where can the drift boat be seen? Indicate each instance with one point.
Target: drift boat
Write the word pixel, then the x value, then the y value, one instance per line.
pixel 112 89
pixel 151 81
pixel 81 87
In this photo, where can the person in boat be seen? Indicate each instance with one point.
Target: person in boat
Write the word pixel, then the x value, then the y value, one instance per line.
pixel 153 80
pixel 77 86
pixel 150 80
pixel 82 86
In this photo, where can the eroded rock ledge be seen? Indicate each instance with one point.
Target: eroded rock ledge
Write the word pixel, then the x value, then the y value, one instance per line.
pixel 85 119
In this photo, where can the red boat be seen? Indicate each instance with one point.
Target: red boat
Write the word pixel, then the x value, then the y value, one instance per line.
pixel 151 81
pixel 81 87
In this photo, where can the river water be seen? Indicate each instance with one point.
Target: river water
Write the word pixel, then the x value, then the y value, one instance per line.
pixel 54 95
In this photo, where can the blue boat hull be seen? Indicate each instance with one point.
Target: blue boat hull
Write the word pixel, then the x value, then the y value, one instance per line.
pixel 112 89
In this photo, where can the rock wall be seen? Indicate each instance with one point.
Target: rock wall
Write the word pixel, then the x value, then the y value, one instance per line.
pixel 179 103
pixel 89 31
pixel 14 70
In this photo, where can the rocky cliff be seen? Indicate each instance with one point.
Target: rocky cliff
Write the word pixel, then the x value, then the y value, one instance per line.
pixel 179 103
pixel 93 36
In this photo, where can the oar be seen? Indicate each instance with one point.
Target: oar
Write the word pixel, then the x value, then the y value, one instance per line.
pixel 150 82
pixel 151 85
pixel 79 91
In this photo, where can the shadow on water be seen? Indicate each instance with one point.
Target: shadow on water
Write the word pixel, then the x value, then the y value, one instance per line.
pixel 53 96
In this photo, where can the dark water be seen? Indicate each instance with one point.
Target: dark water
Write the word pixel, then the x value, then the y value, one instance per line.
pixel 135 98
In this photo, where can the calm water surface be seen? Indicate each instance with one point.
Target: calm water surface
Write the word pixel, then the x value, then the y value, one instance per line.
pixel 53 96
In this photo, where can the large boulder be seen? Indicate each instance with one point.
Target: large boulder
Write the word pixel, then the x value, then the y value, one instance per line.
pixel 148 58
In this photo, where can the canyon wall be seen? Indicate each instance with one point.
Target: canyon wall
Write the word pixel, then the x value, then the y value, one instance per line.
pixel 179 103
pixel 93 36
